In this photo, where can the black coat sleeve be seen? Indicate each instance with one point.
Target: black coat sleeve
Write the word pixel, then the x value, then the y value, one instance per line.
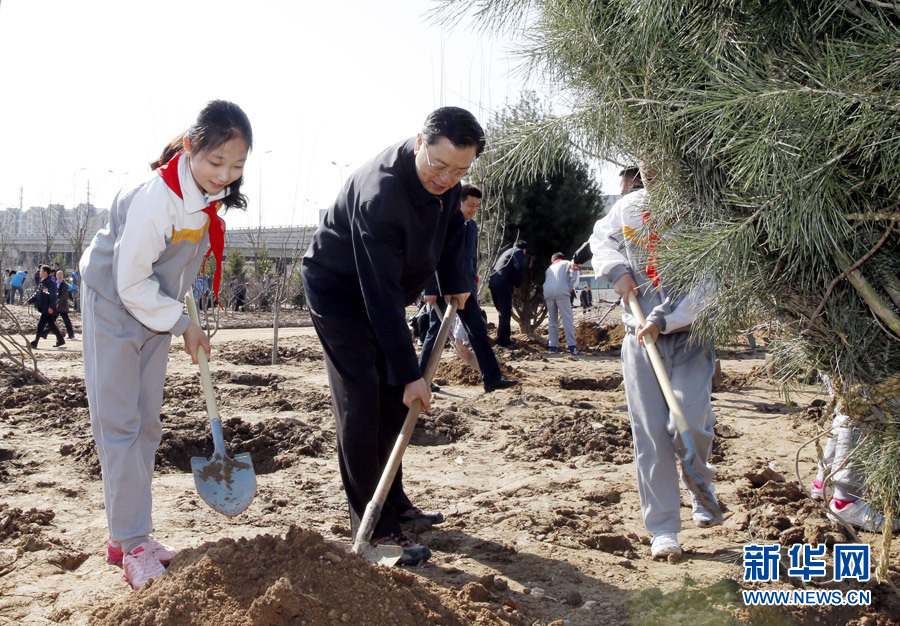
pixel 519 266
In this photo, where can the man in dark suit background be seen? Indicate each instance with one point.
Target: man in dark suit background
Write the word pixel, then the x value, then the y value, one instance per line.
pixel 44 299
pixel 62 304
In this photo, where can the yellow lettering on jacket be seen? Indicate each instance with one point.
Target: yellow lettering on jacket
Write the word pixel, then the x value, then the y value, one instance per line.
pixel 189 234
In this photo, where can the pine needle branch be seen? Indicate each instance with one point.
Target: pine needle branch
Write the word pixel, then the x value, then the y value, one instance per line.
pixel 844 274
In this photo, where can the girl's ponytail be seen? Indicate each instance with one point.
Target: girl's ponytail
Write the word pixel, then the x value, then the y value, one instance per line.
pixel 169 151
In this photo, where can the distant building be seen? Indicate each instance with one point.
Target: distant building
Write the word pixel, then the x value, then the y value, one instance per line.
pixel 44 234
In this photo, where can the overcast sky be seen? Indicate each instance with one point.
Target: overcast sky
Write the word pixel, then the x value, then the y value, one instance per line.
pixel 93 89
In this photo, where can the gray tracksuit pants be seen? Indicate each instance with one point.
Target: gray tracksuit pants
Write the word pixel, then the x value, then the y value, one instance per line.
pixel 655 435
pixel 124 372
pixel 556 308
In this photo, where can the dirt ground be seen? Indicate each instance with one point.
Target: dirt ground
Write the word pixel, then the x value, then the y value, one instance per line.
pixel 537 484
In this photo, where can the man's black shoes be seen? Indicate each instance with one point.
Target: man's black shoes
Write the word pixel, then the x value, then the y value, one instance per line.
pixel 503 383
pixel 419 518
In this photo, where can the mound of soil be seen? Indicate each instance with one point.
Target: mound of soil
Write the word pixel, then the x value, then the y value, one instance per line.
pixel 780 511
pixel 438 428
pixel 456 372
pixel 525 349
pixel 56 405
pixel 296 579
pixel 735 382
pixel 601 383
pixel 260 352
pixel 590 336
pixel 561 437
pixel 272 445
pixel 14 523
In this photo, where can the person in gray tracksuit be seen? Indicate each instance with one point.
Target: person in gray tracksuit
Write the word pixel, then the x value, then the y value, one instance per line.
pixel 135 273
pixel 559 281
pixel 623 255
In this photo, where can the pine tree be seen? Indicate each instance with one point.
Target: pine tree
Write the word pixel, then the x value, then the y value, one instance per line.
pixel 776 123
pixel 553 211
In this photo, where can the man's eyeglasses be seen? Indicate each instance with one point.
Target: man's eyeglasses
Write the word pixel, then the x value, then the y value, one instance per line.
pixel 443 169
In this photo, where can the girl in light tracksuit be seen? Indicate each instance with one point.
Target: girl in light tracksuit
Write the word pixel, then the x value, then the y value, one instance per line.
pixel 624 257
pixel 135 273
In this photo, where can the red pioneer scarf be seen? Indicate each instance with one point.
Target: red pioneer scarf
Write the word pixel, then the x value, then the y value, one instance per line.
pixel 651 254
pixel 169 173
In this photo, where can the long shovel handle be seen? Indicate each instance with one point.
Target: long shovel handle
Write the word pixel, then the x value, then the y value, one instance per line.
pixel 373 510
pixel 664 383
pixel 214 422
pixel 702 490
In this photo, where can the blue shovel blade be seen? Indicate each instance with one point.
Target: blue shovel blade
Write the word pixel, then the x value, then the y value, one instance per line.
pixel 227 485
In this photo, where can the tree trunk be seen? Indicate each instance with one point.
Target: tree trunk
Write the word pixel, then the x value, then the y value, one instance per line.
pixel 276 311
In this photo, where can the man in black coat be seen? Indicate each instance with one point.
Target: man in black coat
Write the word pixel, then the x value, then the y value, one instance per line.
pixel 44 299
pixel 62 304
pixel 395 221
pixel 509 273
pixel 491 377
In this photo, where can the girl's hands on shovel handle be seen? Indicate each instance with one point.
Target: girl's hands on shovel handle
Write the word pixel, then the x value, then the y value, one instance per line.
pixel 625 285
pixel 195 337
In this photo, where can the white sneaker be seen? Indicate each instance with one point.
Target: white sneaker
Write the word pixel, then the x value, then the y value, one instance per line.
pixel 702 517
pixel 860 515
pixel 161 551
pixel 664 545
pixel 140 565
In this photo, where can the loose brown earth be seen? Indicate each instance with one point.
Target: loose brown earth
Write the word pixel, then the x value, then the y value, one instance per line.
pixel 537 484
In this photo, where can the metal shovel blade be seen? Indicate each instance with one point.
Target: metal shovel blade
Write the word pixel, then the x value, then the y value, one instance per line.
pixel 382 555
pixel 227 485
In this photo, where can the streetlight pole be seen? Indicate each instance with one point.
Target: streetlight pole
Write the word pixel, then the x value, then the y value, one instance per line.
pixel 340 171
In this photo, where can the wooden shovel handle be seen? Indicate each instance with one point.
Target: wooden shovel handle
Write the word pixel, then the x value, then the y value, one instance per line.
pixel 206 381
pixel 373 510
pixel 659 369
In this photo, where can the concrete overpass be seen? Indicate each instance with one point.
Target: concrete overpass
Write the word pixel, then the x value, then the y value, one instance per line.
pixel 282 243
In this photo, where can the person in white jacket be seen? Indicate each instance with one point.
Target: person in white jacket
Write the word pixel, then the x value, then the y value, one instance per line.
pixel 624 255
pixel 135 273
pixel 559 281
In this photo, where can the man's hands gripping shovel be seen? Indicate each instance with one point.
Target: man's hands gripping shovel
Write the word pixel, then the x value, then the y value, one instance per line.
pixel 417 397
pixel 648 333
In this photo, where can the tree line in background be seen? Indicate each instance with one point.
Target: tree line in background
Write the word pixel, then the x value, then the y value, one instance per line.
pixel 554 210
